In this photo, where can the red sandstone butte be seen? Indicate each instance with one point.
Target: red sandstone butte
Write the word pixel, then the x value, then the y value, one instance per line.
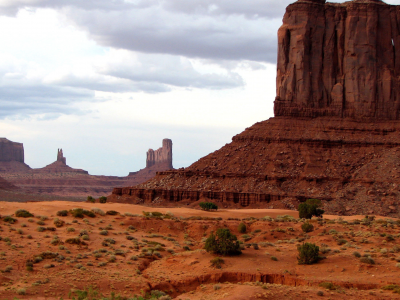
pixel 339 60
pixel 336 131
pixel 162 155
pixel 60 179
pixel 12 156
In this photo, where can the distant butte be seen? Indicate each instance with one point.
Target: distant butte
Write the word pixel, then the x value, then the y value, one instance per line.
pixel 60 179
pixel 12 156
pixel 336 131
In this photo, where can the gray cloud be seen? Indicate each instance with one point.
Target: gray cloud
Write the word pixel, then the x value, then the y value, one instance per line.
pixel 208 29
pixel 155 30
pixel 167 70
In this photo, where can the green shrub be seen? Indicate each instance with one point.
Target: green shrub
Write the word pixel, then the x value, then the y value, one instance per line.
pixel 274 258
pixel 367 260
pixel 310 208
pixel 22 213
pixel 8 269
pixel 75 241
pixel 62 213
pixel 242 228
pixel 9 219
pixel 103 199
pixel 91 199
pixel 223 243
pixel 112 212
pixel 328 285
pixel 357 254
pixel 208 206
pixel 216 262
pixel 58 223
pixel 98 211
pixel 308 254
pixel 307 227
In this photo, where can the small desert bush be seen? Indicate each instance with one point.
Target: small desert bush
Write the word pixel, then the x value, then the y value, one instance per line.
pixel 8 269
pixel 112 212
pixel 357 254
pixel 217 287
pixel 310 208
pixel 307 227
pixel 103 232
pixel 223 243
pixel 208 206
pixel 62 213
pixel 367 260
pixel 21 291
pixel 308 254
pixel 274 258
pixel 75 241
pixel 98 211
pixel 103 199
pixel 242 228
pixel 58 223
pixel 70 229
pixel 91 199
pixel 22 213
pixel 9 219
pixel 216 262
pixel 328 285
pixel 80 213
pixel 41 229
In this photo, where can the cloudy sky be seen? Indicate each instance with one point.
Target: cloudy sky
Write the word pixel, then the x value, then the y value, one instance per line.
pixel 107 79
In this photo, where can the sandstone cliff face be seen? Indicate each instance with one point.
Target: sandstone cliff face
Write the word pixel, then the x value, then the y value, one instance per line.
pixel 162 155
pixel 339 60
pixel 336 131
pixel 11 151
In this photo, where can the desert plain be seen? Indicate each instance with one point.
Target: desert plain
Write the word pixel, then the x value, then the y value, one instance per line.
pixel 123 251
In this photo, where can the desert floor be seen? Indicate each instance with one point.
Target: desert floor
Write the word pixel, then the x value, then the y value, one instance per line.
pixel 128 254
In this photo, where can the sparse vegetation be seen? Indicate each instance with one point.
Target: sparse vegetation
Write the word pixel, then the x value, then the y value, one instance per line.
pixel 242 228
pixel 223 243
pixel 62 213
pixel 308 254
pixel 22 213
pixel 208 206
pixel 9 219
pixel 307 227
pixel 103 199
pixel 310 208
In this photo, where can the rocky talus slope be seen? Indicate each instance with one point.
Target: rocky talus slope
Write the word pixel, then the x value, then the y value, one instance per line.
pixel 335 135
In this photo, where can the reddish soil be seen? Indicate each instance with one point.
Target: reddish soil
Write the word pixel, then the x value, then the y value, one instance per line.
pixel 128 267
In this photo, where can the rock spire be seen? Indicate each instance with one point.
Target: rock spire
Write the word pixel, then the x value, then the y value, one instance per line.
pixel 60 157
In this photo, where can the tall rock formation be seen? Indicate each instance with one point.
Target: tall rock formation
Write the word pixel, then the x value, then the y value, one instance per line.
pixel 339 60
pixel 162 155
pixel 11 151
pixel 60 157
pixel 12 157
pixel 336 131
